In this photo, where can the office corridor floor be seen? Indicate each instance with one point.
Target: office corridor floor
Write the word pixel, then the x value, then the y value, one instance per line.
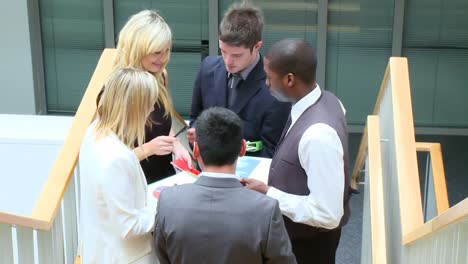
pixel 349 250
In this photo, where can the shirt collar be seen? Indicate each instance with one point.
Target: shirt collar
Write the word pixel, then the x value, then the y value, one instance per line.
pixel 245 72
pixel 305 102
pixel 219 175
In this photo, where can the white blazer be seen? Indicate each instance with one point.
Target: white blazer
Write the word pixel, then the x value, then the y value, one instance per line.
pixel 115 220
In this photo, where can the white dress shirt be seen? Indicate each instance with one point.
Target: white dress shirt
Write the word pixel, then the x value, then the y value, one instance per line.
pixel 321 156
pixel 219 175
pixel 115 219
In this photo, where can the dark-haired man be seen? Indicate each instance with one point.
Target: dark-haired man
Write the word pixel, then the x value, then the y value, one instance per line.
pixel 216 219
pixel 309 173
pixel 236 80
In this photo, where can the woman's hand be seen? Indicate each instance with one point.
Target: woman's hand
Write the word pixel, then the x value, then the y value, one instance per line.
pixel 161 145
pixel 181 153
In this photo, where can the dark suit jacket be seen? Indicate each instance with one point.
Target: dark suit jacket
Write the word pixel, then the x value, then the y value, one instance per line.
pixel 263 116
pixel 217 220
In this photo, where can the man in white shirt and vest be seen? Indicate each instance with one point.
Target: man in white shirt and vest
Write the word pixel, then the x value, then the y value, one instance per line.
pixel 309 173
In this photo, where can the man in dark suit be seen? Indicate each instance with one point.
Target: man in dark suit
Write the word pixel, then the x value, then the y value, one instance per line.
pixel 216 219
pixel 236 80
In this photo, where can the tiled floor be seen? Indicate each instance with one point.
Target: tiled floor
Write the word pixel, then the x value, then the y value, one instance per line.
pixel 349 250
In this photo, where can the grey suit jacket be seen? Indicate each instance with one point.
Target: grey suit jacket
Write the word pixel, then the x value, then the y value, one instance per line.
pixel 218 220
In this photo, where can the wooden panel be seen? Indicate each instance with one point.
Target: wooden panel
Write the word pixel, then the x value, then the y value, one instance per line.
pixel 452 215
pixel 377 209
pixel 24 221
pixel 411 215
pixel 424 146
pixel 446 245
pixel 440 186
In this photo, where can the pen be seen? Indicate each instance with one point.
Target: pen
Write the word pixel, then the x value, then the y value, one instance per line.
pixel 180 131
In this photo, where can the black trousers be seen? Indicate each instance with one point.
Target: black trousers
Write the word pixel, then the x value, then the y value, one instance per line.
pixel 321 249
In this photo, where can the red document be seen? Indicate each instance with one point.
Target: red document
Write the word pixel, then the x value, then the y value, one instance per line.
pixel 183 166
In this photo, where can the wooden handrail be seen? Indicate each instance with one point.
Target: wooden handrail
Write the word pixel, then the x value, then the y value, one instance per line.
pixel 376 199
pixel 437 165
pixel 24 221
pixel 409 192
pixel 396 84
pixel 62 170
pixel 47 205
pixel 454 214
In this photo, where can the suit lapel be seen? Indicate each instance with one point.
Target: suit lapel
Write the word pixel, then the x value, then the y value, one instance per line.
pixel 220 83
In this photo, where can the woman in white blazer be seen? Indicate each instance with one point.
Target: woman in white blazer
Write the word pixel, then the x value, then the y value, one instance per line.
pixel 115 219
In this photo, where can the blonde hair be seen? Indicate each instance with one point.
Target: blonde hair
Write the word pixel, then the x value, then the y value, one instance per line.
pixel 144 33
pixel 126 103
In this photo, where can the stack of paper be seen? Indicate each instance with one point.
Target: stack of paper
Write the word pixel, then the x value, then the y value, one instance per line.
pixel 247 167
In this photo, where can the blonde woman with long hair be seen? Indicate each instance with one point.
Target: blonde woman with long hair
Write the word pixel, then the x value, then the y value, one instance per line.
pixel 116 221
pixel 145 43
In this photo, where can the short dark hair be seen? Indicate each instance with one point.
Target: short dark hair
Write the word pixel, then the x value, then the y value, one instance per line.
pixel 219 136
pixel 293 56
pixel 242 25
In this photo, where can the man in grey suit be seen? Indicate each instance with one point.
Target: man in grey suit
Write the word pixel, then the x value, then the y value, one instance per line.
pixel 216 219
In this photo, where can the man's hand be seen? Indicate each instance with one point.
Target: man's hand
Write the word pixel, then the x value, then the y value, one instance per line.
pixel 181 153
pixel 191 134
pixel 255 185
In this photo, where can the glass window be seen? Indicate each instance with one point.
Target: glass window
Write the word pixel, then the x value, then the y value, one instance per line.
pixel 189 24
pixel 359 45
pixel 284 19
pixel 436 43
pixel 72 40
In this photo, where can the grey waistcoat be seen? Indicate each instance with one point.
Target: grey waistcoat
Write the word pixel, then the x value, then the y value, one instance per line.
pixel 286 173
